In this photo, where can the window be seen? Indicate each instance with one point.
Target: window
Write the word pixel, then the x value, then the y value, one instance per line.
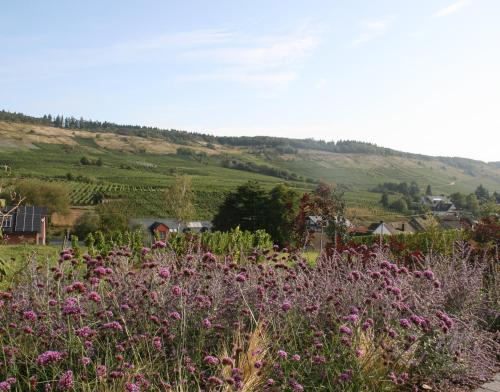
pixel 7 221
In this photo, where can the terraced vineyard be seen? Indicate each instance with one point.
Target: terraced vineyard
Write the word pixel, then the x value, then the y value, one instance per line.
pixel 82 194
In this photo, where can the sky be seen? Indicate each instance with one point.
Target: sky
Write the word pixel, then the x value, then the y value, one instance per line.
pixel 418 76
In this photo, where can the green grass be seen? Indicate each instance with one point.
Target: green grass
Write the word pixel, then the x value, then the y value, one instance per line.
pixel 13 259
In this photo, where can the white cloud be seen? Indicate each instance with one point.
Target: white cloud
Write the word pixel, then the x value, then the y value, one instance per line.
pixel 373 29
pixel 270 59
pixel 223 54
pixel 452 8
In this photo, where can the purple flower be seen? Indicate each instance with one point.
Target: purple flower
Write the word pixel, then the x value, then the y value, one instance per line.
pixel 345 330
pixel 49 357
pixel 84 332
pixel 429 274
pixel 131 387
pixel 296 357
pixel 115 325
pixel 94 296
pixel 215 380
pixel 101 371
pixel 207 323
pixel 241 277
pixel 176 290
pixel 30 315
pixel 66 381
pixel 405 323
pixel 164 273
pixel 5 385
pixel 174 315
pixel 211 360
pixel 286 306
pixel 86 361
pixel 282 354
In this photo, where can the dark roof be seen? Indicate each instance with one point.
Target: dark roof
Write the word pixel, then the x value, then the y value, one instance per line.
pixel 443 207
pixel 155 225
pixel 27 219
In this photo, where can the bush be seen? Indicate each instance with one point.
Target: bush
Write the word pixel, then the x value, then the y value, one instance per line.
pixel 199 322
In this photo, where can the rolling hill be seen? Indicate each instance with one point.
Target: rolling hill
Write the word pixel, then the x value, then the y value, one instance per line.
pixel 140 162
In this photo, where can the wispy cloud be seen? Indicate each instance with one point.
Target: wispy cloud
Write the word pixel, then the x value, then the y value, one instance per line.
pixel 373 29
pixel 452 8
pixel 223 54
pixel 271 59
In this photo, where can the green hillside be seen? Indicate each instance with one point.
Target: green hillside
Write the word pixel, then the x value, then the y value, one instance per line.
pixel 140 163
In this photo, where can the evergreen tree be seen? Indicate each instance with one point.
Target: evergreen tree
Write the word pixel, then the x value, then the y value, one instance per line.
pixel 482 193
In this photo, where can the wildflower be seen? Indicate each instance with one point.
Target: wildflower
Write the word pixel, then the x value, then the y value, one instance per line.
pixel 101 371
pixel 318 359
pixel 164 273
pixel 86 361
pixel 296 357
pixel 49 357
pixel 228 361
pixel 429 274
pixel 95 297
pixel 405 323
pixel 282 354
pixel 30 315
pixel 113 325
pixel 215 380
pixel 131 387
pixel 207 323
pixel 241 277
pixel 296 387
pixel 116 374
pixel 84 332
pixel 258 364
pixel 71 306
pixel 211 360
pixel 174 315
pixel 176 290
pixel 5 385
pixel 157 343
pixel 286 306
pixel 66 381
pixel 345 330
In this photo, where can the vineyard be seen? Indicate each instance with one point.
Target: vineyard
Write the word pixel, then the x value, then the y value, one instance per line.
pixel 82 194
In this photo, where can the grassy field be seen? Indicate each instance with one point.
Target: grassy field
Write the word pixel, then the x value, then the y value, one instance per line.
pixel 141 169
pixel 13 259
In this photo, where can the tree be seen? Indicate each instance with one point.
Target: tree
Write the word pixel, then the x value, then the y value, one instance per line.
pixel 400 205
pixel 414 190
pixel 246 208
pixel 85 161
pixel 384 200
pixel 459 199
pixel 472 204
pixel 428 190
pixel 89 222
pixel 282 209
pixel 114 216
pixel 179 200
pixel 482 193
pixel 44 194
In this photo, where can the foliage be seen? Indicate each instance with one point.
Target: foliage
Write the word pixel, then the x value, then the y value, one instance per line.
pixel 245 208
pixel 114 216
pixel 87 223
pixel 198 322
pixel 50 195
pixel 179 199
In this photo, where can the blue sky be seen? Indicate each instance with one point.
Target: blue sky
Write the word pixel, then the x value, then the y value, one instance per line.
pixel 420 76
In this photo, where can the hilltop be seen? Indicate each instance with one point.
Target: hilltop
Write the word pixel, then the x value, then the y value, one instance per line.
pixel 140 162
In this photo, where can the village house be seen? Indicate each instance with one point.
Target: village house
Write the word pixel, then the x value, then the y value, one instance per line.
pixel 439 205
pixel 25 224
pixel 392 228
pixel 161 227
